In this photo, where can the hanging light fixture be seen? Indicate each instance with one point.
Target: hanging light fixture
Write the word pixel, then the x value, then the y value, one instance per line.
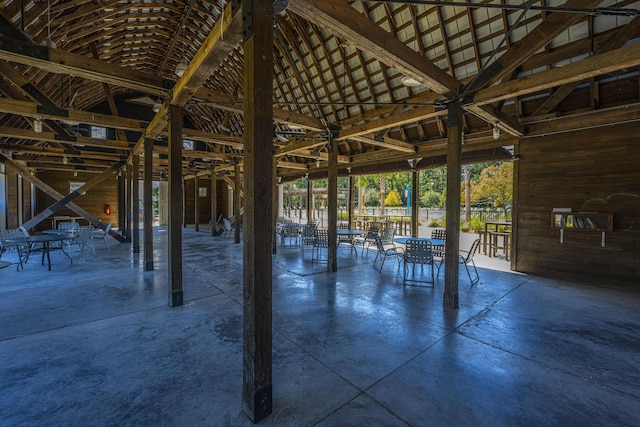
pixel 65 160
pixel 37 124
pixel 156 106
pixel 48 42
pixel 75 173
pixel 181 68
pixel 496 131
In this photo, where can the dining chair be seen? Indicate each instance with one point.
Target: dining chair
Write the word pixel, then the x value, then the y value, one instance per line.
pixel 417 251
pixel 369 239
pixel 101 234
pixel 440 234
pixel 467 258
pixel 385 250
pixel 308 236
pixel 321 241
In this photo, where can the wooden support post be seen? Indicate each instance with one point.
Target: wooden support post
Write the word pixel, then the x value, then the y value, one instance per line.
pixel 415 206
pixel 309 200
pixel 121 206
pixel 275 192
pixel 184 203
pixel 196 202
pixel 175 206
pixel 214 197
pixel 515 209
pixel 332 202
pixel 135 180
pixel 257 17
pixel 128 202
pixel 236 205
pixel 452 247
pixel 351 201
pixel 148 204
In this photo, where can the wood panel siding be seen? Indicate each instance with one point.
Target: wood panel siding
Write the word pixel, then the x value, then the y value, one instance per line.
pixel 12 200
pixel 595 170
pixel 94 201
pixel 222 200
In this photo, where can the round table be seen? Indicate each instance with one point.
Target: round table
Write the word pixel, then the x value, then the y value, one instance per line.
pixel 45 239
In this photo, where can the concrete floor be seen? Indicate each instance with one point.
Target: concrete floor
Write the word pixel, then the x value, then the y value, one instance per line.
pixel 95 343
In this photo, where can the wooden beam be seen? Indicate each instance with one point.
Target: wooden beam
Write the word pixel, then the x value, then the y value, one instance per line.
pixel 629 31
pixel 33 109
pixel 210 55
pixel 585 120
pixel 53 138
pixel 387 142
pixel 304 145
pixel 409 116
pixel 258 174
pixel 536 38
pixel 344 21
pixel 452 247
pixel 608 62
pixel 61 62
pixel 175 206
pixel 225 35
pixel 235 104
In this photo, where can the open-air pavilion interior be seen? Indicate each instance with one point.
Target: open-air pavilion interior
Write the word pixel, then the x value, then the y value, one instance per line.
pixel 218 105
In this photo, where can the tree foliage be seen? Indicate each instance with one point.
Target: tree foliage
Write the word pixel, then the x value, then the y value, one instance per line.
pixel 494 186
pixel 393 199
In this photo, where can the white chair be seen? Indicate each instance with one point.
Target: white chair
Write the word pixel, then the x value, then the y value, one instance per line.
pixel 84 236
pixel 101 234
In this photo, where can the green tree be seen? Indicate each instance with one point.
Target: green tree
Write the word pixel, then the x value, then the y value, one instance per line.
pixel 495 185
pixel 393 199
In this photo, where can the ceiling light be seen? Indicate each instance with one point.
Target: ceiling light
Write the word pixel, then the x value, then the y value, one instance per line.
pixel 156 106
pixel 37 124
pixel 75 173
pixel 409 81
pixel 181 68
pixel 48 42
pixel 65 160
pixel 496 131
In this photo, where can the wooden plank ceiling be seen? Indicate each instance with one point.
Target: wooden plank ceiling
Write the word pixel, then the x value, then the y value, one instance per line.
pixel 341 70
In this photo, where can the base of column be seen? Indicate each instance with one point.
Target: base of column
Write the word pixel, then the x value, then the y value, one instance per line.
pixel 176 299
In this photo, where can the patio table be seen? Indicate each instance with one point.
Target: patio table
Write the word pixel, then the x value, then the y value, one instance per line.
pixel 45 240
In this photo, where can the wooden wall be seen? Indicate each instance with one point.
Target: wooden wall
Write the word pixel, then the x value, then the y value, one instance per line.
pixel 12 200
pixel 591 170
pixel 222 200
pixel 93 201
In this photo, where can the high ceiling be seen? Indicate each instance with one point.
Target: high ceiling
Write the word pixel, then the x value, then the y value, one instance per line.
pixel 526 67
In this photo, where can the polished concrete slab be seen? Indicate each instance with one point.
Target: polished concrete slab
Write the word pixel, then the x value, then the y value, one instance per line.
pixel 95 343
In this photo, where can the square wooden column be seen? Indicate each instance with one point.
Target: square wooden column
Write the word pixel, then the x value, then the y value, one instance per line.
pixel 196 201
pixel 135 196
pixel 452 247
pixel 214 196
pixel 175 206
pixel 332 203
pixel 121 197
pixel 128 202
pixel 147 191
pixel 257 17
pixel 236 204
